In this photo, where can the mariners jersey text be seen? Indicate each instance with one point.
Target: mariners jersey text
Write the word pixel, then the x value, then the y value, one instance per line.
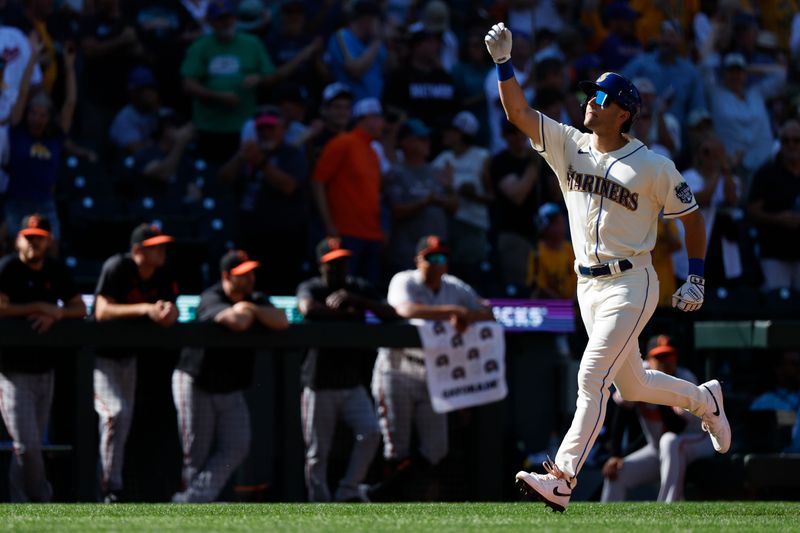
pixel 603 187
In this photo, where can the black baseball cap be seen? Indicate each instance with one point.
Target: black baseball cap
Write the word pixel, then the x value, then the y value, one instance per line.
pixel 149 235
pixel 220 8
pixel 330 249
pixel 35 225
pixel 661 346
pixel 432 244
pixel 237 263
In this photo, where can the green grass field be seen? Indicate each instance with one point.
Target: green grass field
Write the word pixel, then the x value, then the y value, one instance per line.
pixel 434 518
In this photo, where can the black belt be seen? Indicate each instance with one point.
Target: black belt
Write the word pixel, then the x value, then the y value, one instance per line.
pixel 603 270
pixel 415 360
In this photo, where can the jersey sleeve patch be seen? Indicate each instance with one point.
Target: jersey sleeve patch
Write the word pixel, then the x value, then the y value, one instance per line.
pixel 684 193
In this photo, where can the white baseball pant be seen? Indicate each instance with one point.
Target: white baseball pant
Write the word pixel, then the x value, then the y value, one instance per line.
pixel 403 400
pixel 666 465
pixel 615 309
pixel 321 411
pixel 215 437
pixel 25 401
pixel 114 395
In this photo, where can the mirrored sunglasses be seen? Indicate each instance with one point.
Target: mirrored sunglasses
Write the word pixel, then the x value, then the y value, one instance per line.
pixel 436 259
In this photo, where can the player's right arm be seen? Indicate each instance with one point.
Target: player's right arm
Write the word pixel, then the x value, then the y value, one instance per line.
pixel 518 112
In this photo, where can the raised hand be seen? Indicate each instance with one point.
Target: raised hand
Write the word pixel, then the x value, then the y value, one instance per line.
pixel 498 42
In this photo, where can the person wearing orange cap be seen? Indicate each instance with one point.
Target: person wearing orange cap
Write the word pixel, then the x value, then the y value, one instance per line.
pixel 132 286
pixel 399 380
pixel 334 379
pixel 31 284
pixel 673 435
pixel 208 383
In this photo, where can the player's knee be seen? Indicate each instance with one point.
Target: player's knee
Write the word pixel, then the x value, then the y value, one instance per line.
pixel 589 385
pixel 629 394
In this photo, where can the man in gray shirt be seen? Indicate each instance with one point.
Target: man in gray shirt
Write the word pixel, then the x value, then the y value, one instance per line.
pixel 421 200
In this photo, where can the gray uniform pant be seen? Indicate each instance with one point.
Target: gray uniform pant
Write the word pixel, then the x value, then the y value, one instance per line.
pixel 666 464
pixel 215 437
pixel 114 393
pixel 403 400
pixel 320 411
pixel 25 401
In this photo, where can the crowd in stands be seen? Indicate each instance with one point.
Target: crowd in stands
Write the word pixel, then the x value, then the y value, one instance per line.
pixel 220 122
pixel 268 126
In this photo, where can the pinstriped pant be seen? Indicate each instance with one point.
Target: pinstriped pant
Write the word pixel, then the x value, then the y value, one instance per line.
pixel 321 411
pixel 615 309
pixel 404 403
pixel 666 464
pixel 114 394
pixel 25 401
pixel 215 437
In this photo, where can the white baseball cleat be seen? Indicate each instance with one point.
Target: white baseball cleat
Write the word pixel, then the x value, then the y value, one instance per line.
pixel 552 488
pixel 715 423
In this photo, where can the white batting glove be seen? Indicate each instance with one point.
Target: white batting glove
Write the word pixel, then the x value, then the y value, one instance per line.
pixel 689 297
pixel 498 42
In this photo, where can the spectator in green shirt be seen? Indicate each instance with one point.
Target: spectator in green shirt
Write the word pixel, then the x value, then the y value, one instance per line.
pixel 222 72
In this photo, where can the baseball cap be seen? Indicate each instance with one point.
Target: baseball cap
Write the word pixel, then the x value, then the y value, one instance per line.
pixel 546 213
pixel 432 244
pixel 35 225
pixel 621 11
pixel 436 15
pixel 330 249
pixel 466 123
pixel 414 127
pixel 367 106
pixel 269 116
pixel 734 60
pixel 336 90
pixel 140 77
pixel 661 346
pixel 622 91
pixel 696 116
pixel 365 8
pixel 237 263
pixel 149 235
pixel 419 30
pixel 644 85
pixel 251 14
pixel 220 8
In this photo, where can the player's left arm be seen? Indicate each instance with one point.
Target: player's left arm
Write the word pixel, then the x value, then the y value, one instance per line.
pixel 695 227
pixel 690 296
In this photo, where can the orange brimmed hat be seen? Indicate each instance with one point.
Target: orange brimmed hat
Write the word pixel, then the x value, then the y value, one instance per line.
pixel 237 263
pixel 432 244
pixel 149 235
pixel 35 225
pixel 330 248
pixel 661 346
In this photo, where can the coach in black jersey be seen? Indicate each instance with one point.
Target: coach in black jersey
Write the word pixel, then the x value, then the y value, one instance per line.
pixel 334 379
pixel 208 384
pixel 31 286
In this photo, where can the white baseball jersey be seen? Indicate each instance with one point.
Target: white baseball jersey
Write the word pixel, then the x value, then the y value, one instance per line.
pixel 613 199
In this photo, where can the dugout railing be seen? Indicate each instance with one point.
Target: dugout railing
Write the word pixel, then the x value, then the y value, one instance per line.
pixel 488 443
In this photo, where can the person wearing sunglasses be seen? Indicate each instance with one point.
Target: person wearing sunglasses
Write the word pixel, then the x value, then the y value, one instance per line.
pixel 615 189
pixel 399 381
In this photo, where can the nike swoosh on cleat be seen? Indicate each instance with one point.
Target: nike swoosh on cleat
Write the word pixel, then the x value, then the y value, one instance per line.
pixel 715 413
pixel 581 152
pixel 555 491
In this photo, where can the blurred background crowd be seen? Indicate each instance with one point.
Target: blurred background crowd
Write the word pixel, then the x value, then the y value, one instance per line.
pixel 220 122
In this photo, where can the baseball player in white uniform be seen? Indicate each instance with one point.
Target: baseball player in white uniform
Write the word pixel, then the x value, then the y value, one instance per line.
pixel 673 437
pixel 614 189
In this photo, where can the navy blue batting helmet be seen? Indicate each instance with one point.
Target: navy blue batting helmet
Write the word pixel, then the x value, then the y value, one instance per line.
pixel 618 88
